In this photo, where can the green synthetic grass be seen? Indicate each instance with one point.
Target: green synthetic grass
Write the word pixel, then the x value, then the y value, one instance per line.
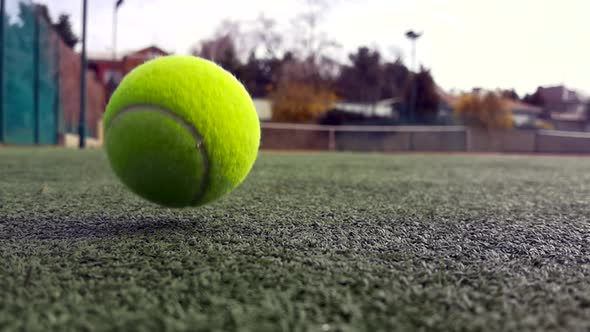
pixel 310 242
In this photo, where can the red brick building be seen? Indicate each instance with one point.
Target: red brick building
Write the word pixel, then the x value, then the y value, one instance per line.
pixel 110 72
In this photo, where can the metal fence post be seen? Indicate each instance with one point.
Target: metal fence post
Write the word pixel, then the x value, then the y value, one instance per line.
pixel 536 141
pixel 2 23
pixel 467 139
pixel 332 139
pixel 56 97
pixel 82 120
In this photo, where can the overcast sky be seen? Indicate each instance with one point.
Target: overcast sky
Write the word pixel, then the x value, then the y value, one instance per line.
pixel 495 43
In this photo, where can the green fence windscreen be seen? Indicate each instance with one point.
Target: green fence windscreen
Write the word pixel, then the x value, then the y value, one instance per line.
pixel 30 77
pixel 48 84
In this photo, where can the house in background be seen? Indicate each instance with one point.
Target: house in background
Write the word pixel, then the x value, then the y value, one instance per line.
pixel 525 115
pixel 570 121
pixel 263 108
pixel 565 108
pixel 344 111
pixel 111 71
pixel 560 99
pixel 446 106
pixel 381 108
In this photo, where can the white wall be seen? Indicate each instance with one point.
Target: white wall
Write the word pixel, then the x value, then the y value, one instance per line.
pixel 263 108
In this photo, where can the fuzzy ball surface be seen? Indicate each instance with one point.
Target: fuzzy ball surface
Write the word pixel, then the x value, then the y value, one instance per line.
pixel 181 131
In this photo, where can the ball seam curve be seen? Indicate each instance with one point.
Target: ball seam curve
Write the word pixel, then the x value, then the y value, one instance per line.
pixel 193 131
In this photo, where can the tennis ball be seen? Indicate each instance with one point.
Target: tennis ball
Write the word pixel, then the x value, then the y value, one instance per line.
pixel 181 131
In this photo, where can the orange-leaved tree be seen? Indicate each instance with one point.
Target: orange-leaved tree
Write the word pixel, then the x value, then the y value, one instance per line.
pixel 303 92
pixel 296 101
pixel 488 110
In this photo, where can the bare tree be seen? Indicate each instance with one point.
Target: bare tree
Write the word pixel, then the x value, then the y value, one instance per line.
pixel 265 34
pixel 310 42
pixel 235 31
pixel 311 45
pixel 305 89
pixel 228 41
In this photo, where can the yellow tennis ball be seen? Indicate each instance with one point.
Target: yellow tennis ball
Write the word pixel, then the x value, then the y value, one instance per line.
pixel 181 131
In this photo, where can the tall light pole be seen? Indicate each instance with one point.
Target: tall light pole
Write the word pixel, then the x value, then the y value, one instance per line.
pixel 413 36
pixel 112 83
pixel 117 5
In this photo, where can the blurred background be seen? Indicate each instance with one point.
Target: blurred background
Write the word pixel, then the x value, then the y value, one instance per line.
pixel 344 75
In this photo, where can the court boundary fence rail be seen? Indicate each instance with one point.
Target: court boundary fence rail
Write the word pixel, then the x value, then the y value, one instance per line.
pixel 305 137
pixel 286 136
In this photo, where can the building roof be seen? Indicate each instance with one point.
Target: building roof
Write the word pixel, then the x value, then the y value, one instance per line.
pixel 381 107
pixel 516 105
pixel 138 53
pixel 563 93
pixel 103 56
pixel 108 55
pixel 448 99
pixel 568 116
pixel 150 48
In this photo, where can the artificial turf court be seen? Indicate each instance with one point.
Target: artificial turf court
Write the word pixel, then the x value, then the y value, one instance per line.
pixel 310 242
